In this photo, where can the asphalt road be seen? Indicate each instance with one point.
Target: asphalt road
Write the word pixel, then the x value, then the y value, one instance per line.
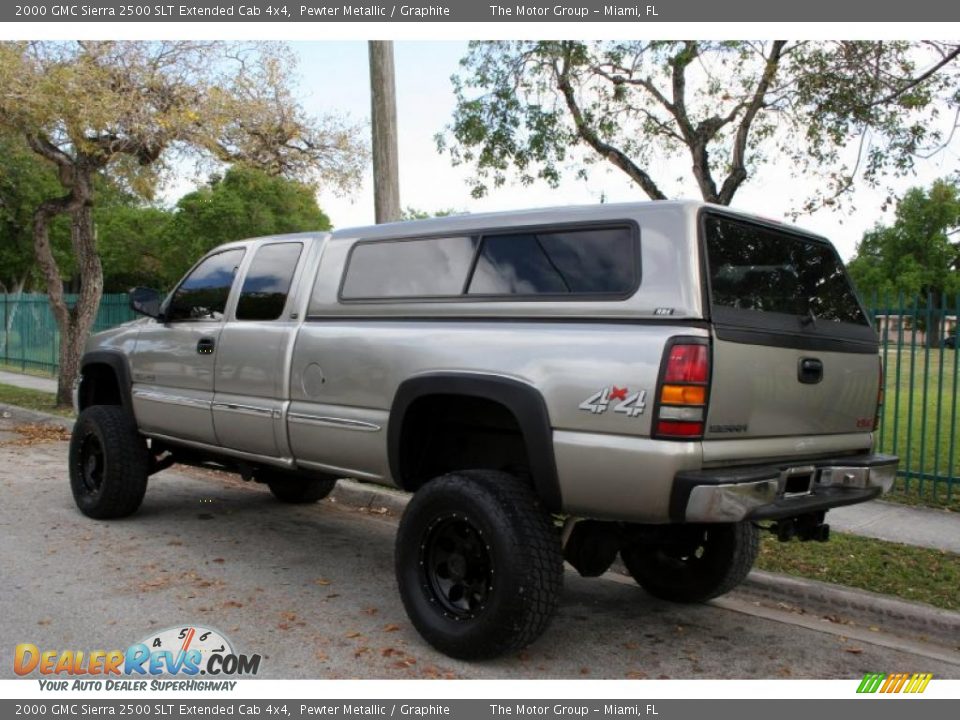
pixel 312 590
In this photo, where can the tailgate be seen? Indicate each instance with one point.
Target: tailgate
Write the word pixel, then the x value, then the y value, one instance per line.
pixel 757 392
pixel 793 351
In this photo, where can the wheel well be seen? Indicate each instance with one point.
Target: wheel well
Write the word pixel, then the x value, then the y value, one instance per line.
pixel 100 386
pixel 443 433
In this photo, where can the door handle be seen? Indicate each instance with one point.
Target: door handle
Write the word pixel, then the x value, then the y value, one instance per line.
pixel 205 346
pixel 810 371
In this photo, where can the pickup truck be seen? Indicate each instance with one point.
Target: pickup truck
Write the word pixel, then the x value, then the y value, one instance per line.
pixel 661 380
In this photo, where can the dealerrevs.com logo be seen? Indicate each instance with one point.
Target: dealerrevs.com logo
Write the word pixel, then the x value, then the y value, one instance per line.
pixel 179 652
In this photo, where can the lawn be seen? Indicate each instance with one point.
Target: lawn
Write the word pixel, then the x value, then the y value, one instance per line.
pixel 921 418
pixel 32 399
pixel 907 572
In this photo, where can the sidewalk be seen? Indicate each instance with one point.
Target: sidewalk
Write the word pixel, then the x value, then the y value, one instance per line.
pixel 28 381
pixel 923 527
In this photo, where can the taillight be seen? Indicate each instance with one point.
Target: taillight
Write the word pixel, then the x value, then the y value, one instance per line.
pixel 683 391
pixel 876 415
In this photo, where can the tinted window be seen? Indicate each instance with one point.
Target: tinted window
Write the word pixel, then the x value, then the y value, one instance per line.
pixel 408 268
pixel 761 270
pixel 203 294
pixel 590 261
pixel 267 283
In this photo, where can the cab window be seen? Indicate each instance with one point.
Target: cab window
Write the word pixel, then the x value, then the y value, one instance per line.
pixel 203 293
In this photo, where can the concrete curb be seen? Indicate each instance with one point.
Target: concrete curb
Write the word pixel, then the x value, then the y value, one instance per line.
pixel 862 606
pixel 810 596
pixel 24 415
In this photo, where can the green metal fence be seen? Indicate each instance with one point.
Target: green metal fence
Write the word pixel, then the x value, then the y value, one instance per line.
pixel 918 421
pixel 29 338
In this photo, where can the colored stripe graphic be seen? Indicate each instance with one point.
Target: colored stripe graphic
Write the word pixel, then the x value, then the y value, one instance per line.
pixel 913 683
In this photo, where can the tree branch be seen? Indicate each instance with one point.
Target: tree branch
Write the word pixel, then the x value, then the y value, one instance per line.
pixel 922 77
pixel 612 154
pixel 738 169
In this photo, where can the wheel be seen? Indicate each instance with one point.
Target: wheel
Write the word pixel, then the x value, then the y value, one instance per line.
pixel 296 489
pixel 108 463
pixel 696 563
pixel 478 564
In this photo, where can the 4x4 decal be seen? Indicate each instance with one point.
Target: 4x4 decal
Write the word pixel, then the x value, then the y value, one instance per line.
pixel 630 404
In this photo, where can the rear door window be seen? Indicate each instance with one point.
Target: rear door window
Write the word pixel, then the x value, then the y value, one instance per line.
pixel 776 281
pixel 267 283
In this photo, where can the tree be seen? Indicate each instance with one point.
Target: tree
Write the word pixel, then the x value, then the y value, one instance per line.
pixel 25 180
pixel 728 107
pixel 917 255
pixel 126 108
pixel 412 213
pixel 244 202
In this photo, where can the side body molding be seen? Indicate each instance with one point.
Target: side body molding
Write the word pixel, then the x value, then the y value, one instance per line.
pixel 524 401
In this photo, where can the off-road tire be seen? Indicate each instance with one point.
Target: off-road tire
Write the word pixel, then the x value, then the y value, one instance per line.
pixel 109 463
pixel 297 490
pixel 709 561
pixel 507 532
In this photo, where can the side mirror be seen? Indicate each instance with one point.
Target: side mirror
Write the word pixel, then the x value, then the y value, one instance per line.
pixel 145 301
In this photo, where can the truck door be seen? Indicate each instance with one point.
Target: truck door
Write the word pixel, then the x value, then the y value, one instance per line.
pixel 251 364
pixel 173 362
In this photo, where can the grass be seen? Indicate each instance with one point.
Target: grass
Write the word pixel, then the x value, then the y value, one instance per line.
pixel 16 367
pixel 32 400
pixel 907 572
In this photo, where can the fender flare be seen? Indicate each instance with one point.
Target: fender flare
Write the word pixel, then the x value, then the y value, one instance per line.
pixel 523 400
pixel 120 365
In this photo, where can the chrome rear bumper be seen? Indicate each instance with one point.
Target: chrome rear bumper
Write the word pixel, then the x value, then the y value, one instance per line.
pixel 773 492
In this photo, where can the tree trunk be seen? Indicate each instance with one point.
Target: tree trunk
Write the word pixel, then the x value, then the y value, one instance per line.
pixel 74 323
pixel 383 121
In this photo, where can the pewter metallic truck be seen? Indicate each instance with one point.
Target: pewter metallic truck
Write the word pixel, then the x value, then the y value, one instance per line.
pixel 660 380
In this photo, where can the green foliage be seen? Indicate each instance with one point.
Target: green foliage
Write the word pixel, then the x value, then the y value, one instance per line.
pixel 412 213
pixel 831 109
pixel 245 202
pixel 918 254
pixel 25 180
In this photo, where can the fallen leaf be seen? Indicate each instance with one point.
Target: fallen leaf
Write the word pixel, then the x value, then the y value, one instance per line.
pixel 322 581
pixel 853 650
pixel 637 675
pixel 370 611
pixel 392 627
pixel 353 634
pixel 218 560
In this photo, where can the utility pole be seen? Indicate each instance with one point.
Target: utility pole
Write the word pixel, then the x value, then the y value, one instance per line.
pixel 383 119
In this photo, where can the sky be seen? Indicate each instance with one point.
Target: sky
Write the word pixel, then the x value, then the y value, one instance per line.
pixel 333 76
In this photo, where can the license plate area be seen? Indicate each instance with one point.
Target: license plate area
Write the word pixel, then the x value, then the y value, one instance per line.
pixel 797 481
